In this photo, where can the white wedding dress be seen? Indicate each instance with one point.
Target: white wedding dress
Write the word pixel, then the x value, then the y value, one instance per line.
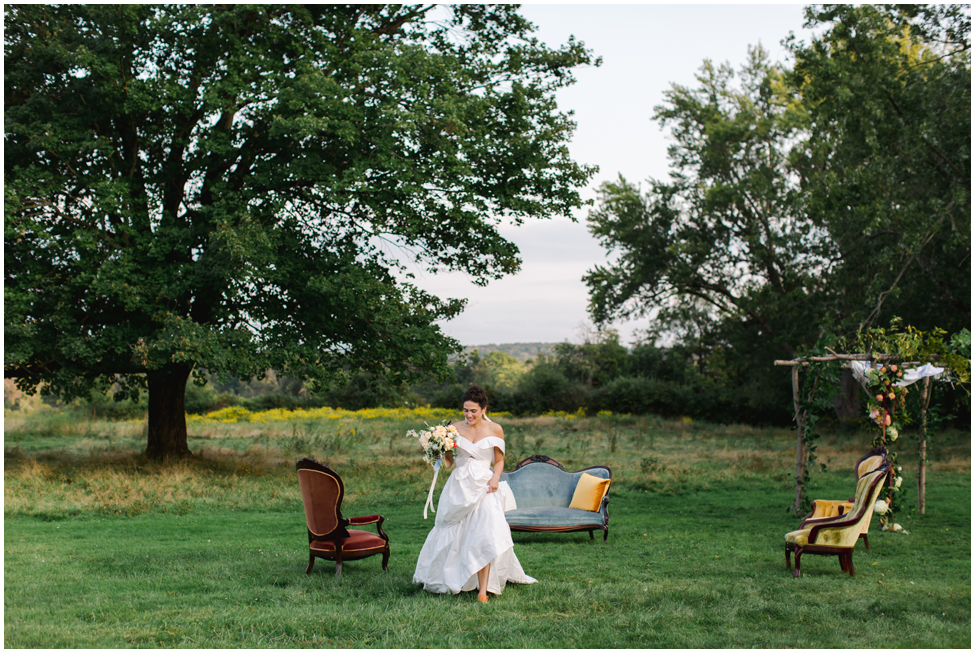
pixel 470 530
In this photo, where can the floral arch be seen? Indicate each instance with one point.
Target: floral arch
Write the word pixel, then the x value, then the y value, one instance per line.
pixel 885 363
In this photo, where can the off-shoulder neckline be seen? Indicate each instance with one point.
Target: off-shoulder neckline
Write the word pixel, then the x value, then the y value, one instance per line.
pixel 486 437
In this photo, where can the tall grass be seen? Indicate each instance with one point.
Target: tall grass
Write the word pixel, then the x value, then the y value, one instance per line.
pixel 104 548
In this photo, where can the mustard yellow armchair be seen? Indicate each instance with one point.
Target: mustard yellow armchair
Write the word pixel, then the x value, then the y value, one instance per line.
pixel 837 535
pixel 823 508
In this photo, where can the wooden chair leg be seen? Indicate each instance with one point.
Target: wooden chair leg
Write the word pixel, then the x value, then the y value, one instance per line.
pixel 311 563
pixel 591 537
pixel 338 563
pixel 866 542
pixel 798 555
pixel 842 558
pixel 849 563
pixel 605 535
pixel 788 558
pixel 386 560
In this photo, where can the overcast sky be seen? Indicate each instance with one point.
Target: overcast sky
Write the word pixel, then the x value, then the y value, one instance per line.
pixel 645 48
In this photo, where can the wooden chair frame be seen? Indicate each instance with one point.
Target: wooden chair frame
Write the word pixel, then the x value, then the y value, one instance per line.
pixel 331 544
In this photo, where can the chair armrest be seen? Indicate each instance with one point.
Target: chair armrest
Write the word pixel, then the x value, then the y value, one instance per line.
pixel 843 511
pixel 371 519
pixel 809 522
pixel 844 521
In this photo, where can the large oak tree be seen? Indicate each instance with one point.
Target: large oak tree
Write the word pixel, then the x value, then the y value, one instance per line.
pixel 233 188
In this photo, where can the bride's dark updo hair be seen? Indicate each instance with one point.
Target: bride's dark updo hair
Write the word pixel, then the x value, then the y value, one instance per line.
pixel 477 395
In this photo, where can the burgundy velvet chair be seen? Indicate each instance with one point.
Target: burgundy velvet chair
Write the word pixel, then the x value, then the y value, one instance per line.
pixel 328 536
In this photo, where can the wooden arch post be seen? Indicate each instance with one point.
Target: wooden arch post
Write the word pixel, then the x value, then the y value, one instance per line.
pixel 801 415
pixel 922 444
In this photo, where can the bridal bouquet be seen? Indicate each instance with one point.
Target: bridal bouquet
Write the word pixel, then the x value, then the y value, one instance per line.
pixel 436 442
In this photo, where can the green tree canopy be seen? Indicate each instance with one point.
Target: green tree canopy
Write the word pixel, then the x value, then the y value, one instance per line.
pixel 823 199
pixel 598 359
pixel 722 240
pixel 887 160
pixel 499 370
pixel 231 187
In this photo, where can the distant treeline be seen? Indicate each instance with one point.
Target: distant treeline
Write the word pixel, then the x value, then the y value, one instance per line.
pixel 601 375
pixel 521 351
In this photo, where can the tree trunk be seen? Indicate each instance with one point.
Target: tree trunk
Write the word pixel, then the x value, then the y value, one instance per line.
pixel 167 414
pixel 847 402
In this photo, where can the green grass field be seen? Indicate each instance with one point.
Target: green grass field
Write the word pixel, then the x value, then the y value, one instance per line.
pixel 104 549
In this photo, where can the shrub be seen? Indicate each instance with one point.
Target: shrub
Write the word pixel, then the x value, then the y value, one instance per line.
pixel 272 400
pixel 643 396
pixel 103 405
pixel 545 388
pixel 366 390
pixel 199 400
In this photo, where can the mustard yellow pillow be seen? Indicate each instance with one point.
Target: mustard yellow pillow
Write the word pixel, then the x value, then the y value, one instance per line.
pixel 589 492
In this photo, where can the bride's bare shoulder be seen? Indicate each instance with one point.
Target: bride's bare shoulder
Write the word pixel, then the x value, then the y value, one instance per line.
pixel 496 430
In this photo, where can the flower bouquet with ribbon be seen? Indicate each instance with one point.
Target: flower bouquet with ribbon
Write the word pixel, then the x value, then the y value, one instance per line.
pixel 436 441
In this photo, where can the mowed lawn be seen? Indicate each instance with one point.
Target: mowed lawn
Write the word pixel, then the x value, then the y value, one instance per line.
pixel 104 550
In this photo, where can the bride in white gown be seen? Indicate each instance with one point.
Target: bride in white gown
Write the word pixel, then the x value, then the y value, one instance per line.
pixel 470 545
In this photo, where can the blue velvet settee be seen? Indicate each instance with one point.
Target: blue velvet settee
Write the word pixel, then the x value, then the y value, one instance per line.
pixel 543 491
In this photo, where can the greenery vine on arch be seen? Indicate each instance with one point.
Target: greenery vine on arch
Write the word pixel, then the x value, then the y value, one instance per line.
pixel 891 353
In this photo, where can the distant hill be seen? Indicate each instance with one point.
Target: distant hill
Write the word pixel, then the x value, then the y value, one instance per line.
pixel 521 351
